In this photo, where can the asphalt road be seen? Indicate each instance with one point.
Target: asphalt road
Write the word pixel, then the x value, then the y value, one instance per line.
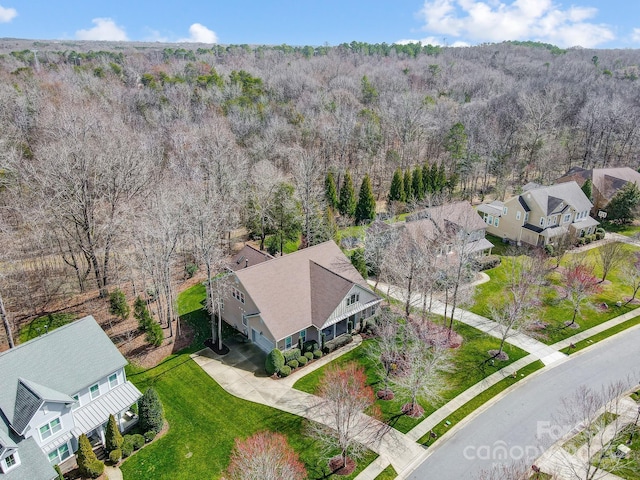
pixel 520 426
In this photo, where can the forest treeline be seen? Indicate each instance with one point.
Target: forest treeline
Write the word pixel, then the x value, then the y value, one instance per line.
pixel 126 163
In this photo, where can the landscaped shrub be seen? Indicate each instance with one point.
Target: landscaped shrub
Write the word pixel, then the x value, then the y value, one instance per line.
pixel 310 346
pixel 302 361
pixel 548 249
pixel 486 262
pixel 88 464
pixel 309 355
pixel 113 437
pixel 59 472
pixel 582 241
pixel 317 353
pixel 587 239
pixel 138 441
pixel 600 233
pixel 150 435
pixel 118 305
pixel 151 413
pixel 337 342
pixel 292 354
pixel 274 362
pixel 115 455
pixel 285 371
pixel 127 446
pixel 293 363
pixel 592 237
pixel 154 334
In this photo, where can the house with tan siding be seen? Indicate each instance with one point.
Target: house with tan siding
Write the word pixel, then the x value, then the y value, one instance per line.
pixel 303 295
pixel 540 215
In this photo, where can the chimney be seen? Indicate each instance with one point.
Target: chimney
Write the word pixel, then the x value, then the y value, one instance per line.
pixel 246 262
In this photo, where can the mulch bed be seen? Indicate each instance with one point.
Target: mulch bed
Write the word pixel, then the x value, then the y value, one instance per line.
pixel 498 356
pixel 385 394
pixel 412 410
pixel 336 467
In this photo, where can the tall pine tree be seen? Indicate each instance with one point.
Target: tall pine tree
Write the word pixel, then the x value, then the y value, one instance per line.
pixel 427 183
pixel 408 188
pixel 366 208
pixel 587 188
pixel 347 205
pixel 396 192
pixel 417 185
pixel 330 191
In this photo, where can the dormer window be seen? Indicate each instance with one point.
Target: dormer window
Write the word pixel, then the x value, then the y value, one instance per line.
pixel 76 404
pixel 9 462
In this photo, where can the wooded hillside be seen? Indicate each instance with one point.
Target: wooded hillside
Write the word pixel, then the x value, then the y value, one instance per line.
pixel 126 162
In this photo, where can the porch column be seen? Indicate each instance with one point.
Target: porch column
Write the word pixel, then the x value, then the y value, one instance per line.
pixel 101 432
pixel 334 330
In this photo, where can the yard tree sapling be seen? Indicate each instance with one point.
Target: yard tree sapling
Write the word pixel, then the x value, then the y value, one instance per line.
pixel 578 284
pixel 118 305
pixel 150 411
pixel 113 437
pixel 344 397
pixel 265 456
pixel 611 255
pixel 631 275
pixel 88 464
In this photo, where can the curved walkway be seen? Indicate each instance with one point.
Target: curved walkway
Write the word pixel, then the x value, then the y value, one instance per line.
pixel 242 376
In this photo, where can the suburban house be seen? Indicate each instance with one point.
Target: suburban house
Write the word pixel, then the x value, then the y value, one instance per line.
pixel 540 215
pixel 302 295
pixel 54 388
pixel 456 225
pixel 606 182
pixel 248 256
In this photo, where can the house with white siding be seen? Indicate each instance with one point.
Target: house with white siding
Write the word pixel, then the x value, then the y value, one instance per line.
pixel 303 295
pixel 53 389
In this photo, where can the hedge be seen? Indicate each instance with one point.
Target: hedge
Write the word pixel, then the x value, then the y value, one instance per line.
pixel 337 342
pixel 486 262
pixel 115 455
pixel 302 361
pixel 274 362
pixel 292 354
pixel 285 371
pixel 308 356
pixel 310 346
pixel 317 353
pixel 293 363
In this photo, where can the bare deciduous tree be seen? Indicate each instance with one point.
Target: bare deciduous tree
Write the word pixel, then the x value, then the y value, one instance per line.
pixel 611 254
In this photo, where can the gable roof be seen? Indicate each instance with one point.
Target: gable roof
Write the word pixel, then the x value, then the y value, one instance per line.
pixel 555 198
pixel 606 180
pixel 248 256
pixel 43 366
pixel 444 219
pixel 296 290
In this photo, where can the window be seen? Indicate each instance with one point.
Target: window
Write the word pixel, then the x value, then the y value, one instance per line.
pixel 95 391
pixel 287 343
pixel 488 219
pixel 10 461
pixel 496 221
pixel 113 380
pixel 542 222
pixel 244 320
pixel 566 218
pixel 353 298
pixel 59 454
pixel 238 295
pixel 51 428
pixel 504 210
pixel 518 213
pixel 303 335
pixel 526 217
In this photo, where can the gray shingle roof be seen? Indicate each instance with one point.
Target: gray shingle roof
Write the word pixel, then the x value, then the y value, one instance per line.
pixel 65 360
pixel 27 404
pixel 34 464
pixel 282 288
pixel 548 198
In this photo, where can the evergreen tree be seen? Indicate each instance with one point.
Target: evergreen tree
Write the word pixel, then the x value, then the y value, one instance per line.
pixel 396 192
pixel 587 188
pixel 366 208
pixel 112 437
pixel 150 411
pixel 369 92
pixel 286 216
pixel 417 185
pixel 435 178
pixel 358 261
pixel 330 191
pixel 118 305
pixel 427 183
pixel 408 190
pixel 441 181
pixel 347 205
pixel 622 207
pixel 88 464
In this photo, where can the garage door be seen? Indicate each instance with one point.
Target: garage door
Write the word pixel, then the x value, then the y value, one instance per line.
pixel 260 340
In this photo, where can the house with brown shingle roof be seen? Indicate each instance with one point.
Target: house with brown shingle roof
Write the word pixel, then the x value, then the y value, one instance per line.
pixel 248 256
pixel 606 182
pixel 302 295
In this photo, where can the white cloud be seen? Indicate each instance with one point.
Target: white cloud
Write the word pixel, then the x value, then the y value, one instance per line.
pixel 105 29
pixel 7 14
pixel 434 41
pixel 497 20
pixel 635 36
pixel 155 36
pixel 198 33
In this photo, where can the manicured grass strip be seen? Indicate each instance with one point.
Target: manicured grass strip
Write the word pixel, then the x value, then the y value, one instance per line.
pixel 41 325
pixel 469 369
pixel 388 473
pixel 204 421
pixel 574 444
pixel 480 400
pixel 602 335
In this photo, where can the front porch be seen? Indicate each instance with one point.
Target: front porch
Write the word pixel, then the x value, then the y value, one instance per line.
pixel 348 322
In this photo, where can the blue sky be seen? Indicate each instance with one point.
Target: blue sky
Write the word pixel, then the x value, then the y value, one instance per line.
pixel 588 23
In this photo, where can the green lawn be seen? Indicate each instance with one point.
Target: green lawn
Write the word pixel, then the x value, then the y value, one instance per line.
pixel 601 336
pixel 628 468
pixel 554 309
pixel 480 400
pixel 388 473
pixel 40 325
pixel 626 230
pixel 469 369
pixel 204 420
pixel 573 444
